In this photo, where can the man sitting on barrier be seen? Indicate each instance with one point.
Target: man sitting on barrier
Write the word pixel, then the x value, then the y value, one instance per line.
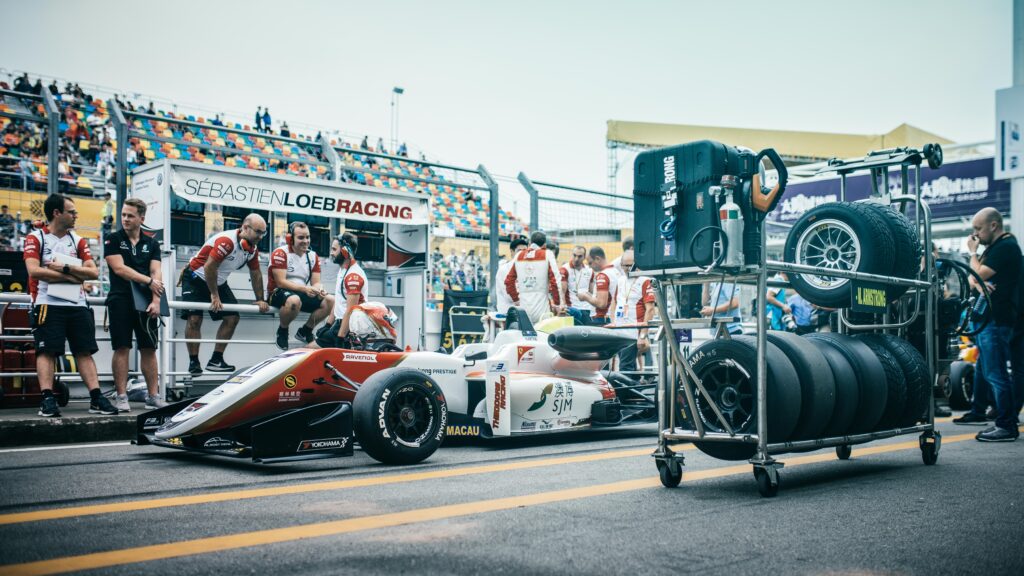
pixel 58 262
pixel 534 281
pixel 350 290
pixel 293 282
pixel 206 280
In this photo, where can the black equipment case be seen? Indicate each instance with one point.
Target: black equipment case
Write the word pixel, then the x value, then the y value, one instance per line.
pixel 672 206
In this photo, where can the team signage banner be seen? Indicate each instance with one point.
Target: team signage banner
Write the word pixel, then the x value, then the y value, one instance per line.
pixel 228 188
pixel 953 190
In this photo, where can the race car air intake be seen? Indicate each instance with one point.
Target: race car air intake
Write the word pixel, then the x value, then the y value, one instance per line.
pixel 585 341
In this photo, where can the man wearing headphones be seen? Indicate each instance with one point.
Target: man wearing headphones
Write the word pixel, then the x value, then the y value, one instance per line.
pixel 293 283
pixel 206 280
pixel 350 290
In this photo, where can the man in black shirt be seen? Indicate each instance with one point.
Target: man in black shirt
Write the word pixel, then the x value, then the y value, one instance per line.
pixel 133 257
pixel 1000 267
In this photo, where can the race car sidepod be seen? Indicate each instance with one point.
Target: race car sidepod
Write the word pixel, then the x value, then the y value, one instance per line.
pixel 316 431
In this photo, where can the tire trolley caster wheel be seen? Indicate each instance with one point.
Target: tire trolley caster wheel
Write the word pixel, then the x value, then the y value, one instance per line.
pixel 930 445
pixel 844 451
pixel 767 481
pixel 670 469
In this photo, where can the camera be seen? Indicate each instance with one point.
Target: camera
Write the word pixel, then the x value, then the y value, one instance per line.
pixel 789 322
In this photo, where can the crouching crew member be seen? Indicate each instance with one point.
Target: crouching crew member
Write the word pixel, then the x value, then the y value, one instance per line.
pixel 133 257
pixel 206 280
pixel 350 290
pixel 60 310
pixel 293 283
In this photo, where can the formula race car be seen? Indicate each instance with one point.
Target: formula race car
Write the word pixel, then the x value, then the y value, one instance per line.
pixel 400 406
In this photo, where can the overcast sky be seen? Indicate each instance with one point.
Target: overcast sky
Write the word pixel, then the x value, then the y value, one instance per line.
pixel 529 85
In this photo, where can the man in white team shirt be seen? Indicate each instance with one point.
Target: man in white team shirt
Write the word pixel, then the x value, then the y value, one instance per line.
pixel 293 283
pixel 58 262
pixel 206 280
pixel 350 290
pixel 577 277
pixel 634 304
pixel 502 301
pixel 606 283
pixel 534 282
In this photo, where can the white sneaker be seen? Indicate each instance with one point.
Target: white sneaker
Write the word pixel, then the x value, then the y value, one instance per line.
pixel 154 402
pixel 121 403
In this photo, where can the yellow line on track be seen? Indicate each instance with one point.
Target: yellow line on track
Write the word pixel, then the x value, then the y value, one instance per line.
pixel 364 523
pixel 135 505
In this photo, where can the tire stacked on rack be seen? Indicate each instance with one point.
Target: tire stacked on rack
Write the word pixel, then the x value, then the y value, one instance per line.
pixel 914 376
pixel 855 236
pixel 869 377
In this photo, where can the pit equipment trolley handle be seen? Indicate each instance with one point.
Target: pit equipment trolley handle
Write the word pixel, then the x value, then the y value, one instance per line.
pixel 678 379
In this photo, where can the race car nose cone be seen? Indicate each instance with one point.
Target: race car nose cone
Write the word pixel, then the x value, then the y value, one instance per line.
pixel 583 340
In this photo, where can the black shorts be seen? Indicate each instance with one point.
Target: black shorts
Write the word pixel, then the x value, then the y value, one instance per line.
pixel 194 289
pixel 55 324
pixel 309 303
pixel 124 320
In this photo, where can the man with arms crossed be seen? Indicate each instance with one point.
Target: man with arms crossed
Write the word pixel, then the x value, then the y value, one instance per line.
pixel 65 314
pixel 133 257
pixel 206 280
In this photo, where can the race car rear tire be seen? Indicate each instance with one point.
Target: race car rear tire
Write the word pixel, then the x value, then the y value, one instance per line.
pixel 871 384
pixel 961 385
pixel 400 416
pixel 735 389
pixel 843 236
pixel 896 388
pixel 818 387
pixel 916 377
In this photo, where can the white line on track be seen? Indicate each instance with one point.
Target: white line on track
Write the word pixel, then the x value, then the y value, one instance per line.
pixel 64 447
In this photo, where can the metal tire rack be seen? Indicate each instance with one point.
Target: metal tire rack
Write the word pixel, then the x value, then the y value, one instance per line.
pixel 675 372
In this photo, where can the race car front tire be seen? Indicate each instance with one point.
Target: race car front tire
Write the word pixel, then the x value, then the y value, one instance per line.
pixel 400 416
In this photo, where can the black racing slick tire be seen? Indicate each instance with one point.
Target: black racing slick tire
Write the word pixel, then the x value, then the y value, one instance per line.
pixel 818 387
pixel 960 385
pixel 400 416
pixel 906 245
pixel 896 395
pixel 728 370
pixel 841 236
pixel 872 389
pixel 915 373
pixel 847 389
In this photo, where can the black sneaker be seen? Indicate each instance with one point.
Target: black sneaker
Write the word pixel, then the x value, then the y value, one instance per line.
pixel 282 338
pixel 101 405
pixel 997 435
pixel 304 334
pixel 49 407
pixel 220 366
pixel 970 419
pixel 195 368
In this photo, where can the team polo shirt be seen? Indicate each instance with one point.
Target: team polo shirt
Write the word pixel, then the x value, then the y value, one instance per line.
pixel 575 281
pixel 607 280
pixel 224 248
pixel 136 256
pixel 298 268
pixel 43 245
pixel 350 281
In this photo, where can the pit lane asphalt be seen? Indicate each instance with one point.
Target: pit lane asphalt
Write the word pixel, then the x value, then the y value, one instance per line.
pixel 519 507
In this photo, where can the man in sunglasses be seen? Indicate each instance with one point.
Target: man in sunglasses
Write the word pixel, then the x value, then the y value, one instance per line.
pixel 206 280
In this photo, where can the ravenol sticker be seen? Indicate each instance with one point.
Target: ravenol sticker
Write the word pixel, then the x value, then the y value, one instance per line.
pixel 290 381
pixel 356 357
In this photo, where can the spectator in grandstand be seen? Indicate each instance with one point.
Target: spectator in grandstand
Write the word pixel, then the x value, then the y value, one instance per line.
pixel 627 244
pixel 23 84
pixel 8 230
pixel 576 278
pixel 403 150
pixel 107 214
pixel 217 121
pixel 37 88
pixel 606 281
pixel 53 88
pixel 454 262
pixel 266 121
pixel 285 131
pixel 150 109
pixel 259 119
pixel 1000 267
pixel 634 304
pixel 365 144
pixel 471 266
pixel 722 301
pixel 380 146
pixel 134 258
pixel 293 282
pixel 58 263
pixel 502 301
pixel 350 290
pixel 436 257
pixel 206 280
pixel 534 281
